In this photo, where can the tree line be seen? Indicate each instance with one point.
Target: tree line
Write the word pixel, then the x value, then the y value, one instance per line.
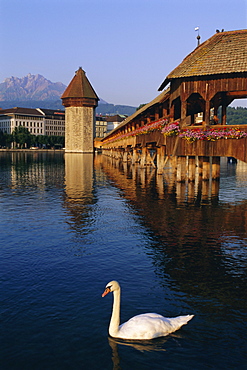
pixel 236 116
pixel 22 138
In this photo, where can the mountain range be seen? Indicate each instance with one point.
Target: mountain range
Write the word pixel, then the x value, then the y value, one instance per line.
pixel 35 91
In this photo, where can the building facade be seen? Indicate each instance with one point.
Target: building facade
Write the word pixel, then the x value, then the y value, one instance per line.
pixel 32 119
pixel 50 122
pixel 37 121
pixel 54 122
pixel 100 126
pixel 114 121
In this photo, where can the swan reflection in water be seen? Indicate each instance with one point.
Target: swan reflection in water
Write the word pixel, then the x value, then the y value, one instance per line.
pixel 154 345
pixel 140 345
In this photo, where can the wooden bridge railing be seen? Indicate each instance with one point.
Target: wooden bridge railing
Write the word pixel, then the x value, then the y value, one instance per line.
pixel 197 140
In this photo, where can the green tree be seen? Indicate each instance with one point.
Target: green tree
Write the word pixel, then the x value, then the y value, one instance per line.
pixel 236 116
pixel 5 139
pixel 140 106
pixel 22 136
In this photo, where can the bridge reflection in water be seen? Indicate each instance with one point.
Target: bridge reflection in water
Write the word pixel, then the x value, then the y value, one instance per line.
pixel 195 230
pixel 198 191
pixel 197 238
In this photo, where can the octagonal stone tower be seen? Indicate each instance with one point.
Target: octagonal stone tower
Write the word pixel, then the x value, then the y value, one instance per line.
pixel 80 101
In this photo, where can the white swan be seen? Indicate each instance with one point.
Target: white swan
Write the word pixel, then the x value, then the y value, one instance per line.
pixel 140 327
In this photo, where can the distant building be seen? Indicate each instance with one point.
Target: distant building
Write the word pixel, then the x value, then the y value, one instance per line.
pixel 32 119
pixel 114 121
pixel 100 126
pixel 51 122
pixel 37 121
pixel 54 122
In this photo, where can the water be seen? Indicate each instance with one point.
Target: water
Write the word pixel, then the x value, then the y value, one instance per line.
pixel 71 224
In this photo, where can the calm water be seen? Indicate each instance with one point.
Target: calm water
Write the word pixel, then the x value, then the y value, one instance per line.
pixel 69 224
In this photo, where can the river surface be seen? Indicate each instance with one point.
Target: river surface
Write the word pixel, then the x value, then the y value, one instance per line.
pixel 71 223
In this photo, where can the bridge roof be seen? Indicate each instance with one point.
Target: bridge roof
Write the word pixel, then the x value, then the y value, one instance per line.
pixel 223 53
pixel 159 99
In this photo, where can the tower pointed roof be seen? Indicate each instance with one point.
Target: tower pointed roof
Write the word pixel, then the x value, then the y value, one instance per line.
pixel 80 87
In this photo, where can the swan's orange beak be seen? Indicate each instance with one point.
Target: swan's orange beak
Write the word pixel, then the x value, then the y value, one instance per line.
pixel 107 290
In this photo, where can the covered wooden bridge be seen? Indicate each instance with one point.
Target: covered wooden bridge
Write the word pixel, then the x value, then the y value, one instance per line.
pixel 187 122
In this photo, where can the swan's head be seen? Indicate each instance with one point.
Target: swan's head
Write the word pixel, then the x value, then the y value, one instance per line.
pixel 111 287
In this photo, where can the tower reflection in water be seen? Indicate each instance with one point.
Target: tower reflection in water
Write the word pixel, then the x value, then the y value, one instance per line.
pixel 79 198
pixel 79 176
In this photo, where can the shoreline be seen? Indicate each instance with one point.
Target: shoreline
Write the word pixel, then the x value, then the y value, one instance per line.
pixel 32 150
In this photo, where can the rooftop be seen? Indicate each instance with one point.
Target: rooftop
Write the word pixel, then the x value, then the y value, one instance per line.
pixel 80 87
pixel 19 110
pixel 224 52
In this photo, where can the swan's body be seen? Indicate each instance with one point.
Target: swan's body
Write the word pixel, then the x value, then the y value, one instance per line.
pixel 144 326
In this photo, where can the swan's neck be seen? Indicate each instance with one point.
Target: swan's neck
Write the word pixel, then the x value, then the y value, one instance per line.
pixel 115 317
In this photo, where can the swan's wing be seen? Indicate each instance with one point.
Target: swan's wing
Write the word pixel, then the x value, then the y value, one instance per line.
pixel 145 326
pixel 151 325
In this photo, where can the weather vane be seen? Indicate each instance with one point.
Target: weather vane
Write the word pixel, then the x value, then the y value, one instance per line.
pixel 198 36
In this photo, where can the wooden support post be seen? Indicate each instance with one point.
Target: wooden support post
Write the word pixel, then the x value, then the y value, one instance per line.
pixel 149 160
pixel 143 157
pixel 172 111
pixel 207 113
pixel 160 159
pixel 183 112
pixel 215 168
pixel 134 156
pixel 191 168
pixel 125 155
pixel 223 111
pixel 206 168
pixel 181 169
pixel 119 153
pixel 199 165
pixel 174 164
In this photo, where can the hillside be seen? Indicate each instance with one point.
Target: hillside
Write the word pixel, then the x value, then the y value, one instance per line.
pixel 30 87
pixel 35 91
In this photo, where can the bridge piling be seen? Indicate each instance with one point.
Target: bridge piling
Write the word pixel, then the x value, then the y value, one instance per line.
pixel 206 168
pixel 215 168
pixel 160 159
pixel 143 159
pixel 191 168
pixel 181 169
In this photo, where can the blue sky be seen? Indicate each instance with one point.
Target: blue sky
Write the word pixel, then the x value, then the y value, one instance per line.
pixel 126 47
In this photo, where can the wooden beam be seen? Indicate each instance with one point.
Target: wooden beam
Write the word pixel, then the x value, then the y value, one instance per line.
pixel 239 94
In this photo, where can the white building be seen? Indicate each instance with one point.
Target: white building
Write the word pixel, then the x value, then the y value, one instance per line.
pixel 38 121
pixel 100 126
pixel 50 122
pixel 114 121
pixel 54 122
pixel 32 119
